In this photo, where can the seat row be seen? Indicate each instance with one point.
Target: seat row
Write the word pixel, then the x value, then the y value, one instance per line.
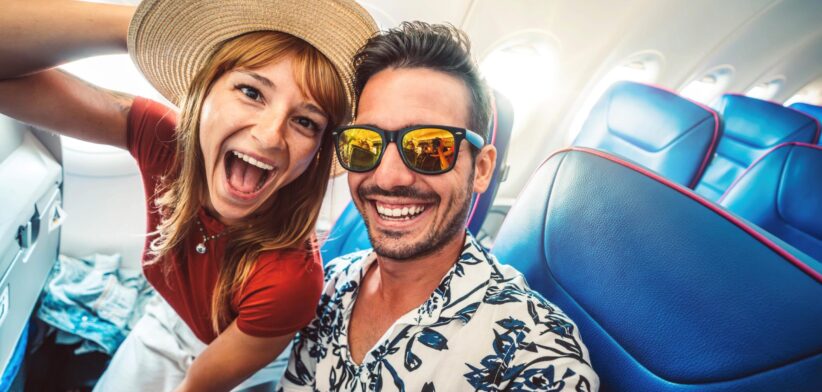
pixel 756 158
pixel 671 292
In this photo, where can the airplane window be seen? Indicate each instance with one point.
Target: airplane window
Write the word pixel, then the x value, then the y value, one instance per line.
pixel 523 68
pixel 766 90
pixel 115 72
pixel 640 67
pixel 811 93
pixel 708 87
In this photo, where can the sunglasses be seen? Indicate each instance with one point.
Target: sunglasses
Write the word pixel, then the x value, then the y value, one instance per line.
pixel 425 149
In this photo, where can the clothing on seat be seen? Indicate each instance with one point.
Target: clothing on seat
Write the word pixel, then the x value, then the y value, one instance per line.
pixel 91 300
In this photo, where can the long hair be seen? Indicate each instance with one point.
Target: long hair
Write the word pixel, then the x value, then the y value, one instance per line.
pixel 290 219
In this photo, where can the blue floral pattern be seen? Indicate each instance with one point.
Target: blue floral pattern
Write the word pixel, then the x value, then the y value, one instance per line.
pixel 482 329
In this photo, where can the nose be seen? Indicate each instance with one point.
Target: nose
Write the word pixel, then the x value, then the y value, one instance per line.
pixel 270 128
pixel 392 172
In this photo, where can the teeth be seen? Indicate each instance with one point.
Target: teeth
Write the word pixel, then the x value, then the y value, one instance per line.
pixel 404 213
pixel 252 161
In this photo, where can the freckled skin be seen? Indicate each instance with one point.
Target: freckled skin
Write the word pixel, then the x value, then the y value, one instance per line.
pixel 241 113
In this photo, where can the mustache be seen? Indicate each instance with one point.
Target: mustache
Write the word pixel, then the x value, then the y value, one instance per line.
pixel 400 191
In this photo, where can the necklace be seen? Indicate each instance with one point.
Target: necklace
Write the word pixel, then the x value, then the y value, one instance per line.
pixel 201 247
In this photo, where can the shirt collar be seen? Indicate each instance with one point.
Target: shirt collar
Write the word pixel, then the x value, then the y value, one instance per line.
pixel 456 297
pixel 461 289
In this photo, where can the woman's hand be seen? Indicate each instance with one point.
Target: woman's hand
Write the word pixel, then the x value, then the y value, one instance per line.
pixel 230 359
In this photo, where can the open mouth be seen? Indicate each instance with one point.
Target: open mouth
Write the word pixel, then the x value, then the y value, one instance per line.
pixel 246 175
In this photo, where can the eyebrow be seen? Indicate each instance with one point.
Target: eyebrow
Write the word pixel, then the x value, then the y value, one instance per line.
pixel 314 109
pixel 258 77
pixel 262 79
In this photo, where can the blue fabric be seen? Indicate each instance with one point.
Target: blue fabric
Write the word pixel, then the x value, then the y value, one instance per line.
pixel 349 233
pixel 782 193
pixel 668 293
pixel 751 128
pixel 504 117
pixel 93 300
pixel 654 128
pixel 811 110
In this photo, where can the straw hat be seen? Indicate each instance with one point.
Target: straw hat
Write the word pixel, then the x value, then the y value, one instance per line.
pixel 170 40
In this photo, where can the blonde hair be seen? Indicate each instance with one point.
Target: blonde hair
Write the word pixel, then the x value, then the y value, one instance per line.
pixel 290 220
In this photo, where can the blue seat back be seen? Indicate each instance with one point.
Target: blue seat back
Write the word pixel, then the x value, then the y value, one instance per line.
pixel 503 122
pixel 655 128
pixel 811 110
pixel 349 233
pixel 669 291
pixel 782 194
pixel 751 128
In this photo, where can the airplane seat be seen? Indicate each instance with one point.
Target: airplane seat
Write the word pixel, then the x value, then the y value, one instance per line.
pixel 655 128
pixel 670 292
pixel 811 110
pixel 782 194
pixel 100 181
pixel 349 233
pixel 501 127
pixel 752 127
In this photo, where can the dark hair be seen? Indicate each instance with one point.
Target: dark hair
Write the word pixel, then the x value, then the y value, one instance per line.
pixel 441 47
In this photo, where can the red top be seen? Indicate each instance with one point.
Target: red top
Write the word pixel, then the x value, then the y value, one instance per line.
pixel 282 292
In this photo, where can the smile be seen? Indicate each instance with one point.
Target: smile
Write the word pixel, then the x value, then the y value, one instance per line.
pixel 406 212
pixel 246 175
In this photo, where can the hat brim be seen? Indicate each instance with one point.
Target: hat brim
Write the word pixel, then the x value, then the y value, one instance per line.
pixel 170 40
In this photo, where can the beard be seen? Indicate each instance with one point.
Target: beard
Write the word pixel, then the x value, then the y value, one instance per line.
pixel 392 244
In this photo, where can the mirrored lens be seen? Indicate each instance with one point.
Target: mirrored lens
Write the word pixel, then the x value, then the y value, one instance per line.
pixel 429 150
pixel 359 148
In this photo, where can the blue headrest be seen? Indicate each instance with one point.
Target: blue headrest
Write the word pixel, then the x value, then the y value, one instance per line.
pixel 811 110
pixel 349 233
pixel 501 127
pixel 752 127
pixel 782 193
pixel 654 128
pixel 669 291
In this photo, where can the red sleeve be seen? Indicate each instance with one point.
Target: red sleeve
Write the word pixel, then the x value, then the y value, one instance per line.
pixel 150 135
pixel 282 294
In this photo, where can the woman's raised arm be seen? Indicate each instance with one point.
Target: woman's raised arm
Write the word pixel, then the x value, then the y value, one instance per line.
pixel 36 36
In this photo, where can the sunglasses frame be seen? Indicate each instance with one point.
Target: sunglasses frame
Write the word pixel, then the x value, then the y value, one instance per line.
pixel 388 137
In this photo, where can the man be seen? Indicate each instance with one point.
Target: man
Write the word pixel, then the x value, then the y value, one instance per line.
pixel 428 309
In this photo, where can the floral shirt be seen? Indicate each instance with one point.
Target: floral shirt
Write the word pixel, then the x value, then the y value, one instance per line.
pixel 481 329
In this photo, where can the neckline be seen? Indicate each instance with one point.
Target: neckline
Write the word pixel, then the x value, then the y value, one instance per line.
pixel 211 224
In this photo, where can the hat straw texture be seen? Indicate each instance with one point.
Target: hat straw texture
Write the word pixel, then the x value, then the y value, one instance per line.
pixel 170 40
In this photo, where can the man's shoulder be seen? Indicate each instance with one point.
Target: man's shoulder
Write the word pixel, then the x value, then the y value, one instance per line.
pixel 510 295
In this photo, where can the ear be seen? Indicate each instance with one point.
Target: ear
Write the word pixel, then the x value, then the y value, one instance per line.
pixel 484 165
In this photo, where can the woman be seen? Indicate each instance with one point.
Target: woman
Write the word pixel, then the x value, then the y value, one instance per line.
pixel 233 184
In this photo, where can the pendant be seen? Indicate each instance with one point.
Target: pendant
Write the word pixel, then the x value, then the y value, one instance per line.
pixel 200 248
